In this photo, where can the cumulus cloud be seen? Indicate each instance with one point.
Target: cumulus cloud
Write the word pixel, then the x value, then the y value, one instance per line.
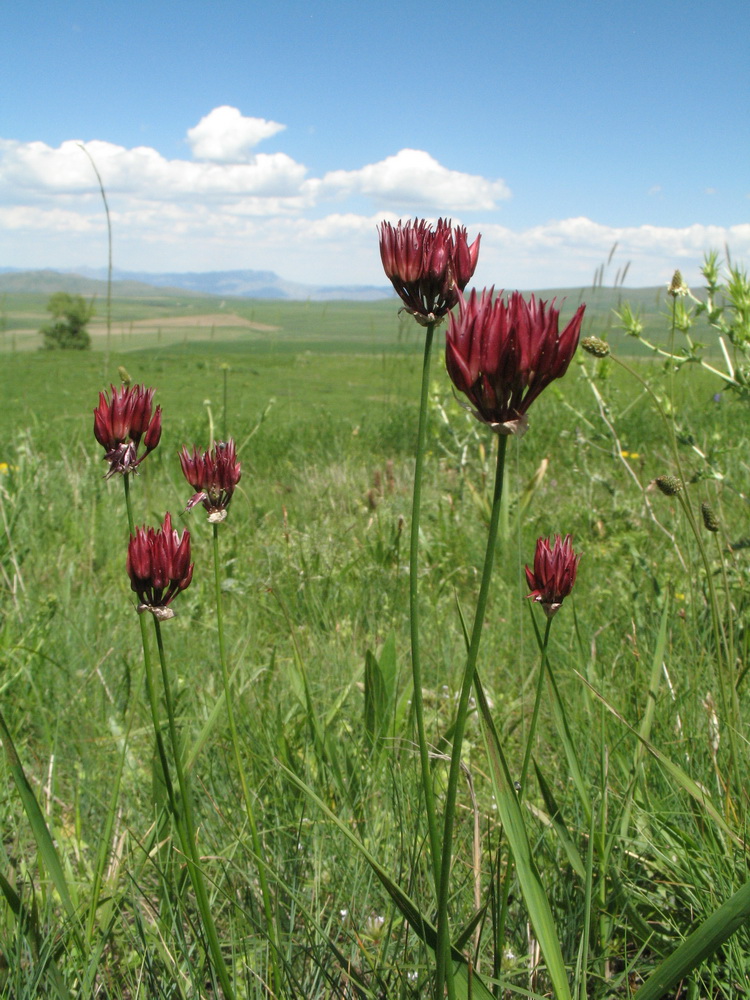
pixel 226 136
pixel 35 169
pixel 231 207
pixel 414 178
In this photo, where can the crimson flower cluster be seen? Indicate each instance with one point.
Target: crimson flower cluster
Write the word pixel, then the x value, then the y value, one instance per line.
pixel 502 354
pixel 213 475
pixel 120 423
pixel 554 573
pixel 159 567
pixel 427 267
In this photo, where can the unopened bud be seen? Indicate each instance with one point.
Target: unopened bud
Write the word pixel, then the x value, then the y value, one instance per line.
pixel 710 519
pixel 594 345
pixel 669 485
pixel 124 376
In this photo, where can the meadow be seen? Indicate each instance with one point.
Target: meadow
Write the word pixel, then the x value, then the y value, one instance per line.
pixel 632 765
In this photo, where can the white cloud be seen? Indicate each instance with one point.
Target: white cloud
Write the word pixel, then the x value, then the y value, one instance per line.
pixel 567 252
pixel 264 211
pixel 413 178
pixel 36 170
pixel 226 136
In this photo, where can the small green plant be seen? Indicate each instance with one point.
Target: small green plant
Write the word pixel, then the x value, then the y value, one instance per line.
pixel 70 317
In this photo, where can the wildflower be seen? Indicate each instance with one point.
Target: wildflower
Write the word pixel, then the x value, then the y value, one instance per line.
pixel 555 568
pixel 427 267
pixel 121 423
pixel 503 354
pixel 214 476
pixel 159 567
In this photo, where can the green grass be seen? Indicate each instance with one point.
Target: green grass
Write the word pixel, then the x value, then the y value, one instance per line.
pixel 314 556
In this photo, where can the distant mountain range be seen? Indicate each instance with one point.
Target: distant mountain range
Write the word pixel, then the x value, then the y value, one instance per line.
pixel 240 284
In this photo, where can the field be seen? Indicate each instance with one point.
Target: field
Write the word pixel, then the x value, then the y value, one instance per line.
pixel 629 746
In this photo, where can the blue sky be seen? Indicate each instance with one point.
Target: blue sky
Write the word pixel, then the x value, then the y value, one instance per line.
pixel 275 136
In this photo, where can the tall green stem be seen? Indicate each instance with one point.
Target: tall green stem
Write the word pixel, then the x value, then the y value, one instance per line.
pixel 187 832
pixel 444 968
pixel 416 663
pixel 257 844
pixel 535 713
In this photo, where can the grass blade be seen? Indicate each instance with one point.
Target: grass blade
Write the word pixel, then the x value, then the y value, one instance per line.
pixel 702 943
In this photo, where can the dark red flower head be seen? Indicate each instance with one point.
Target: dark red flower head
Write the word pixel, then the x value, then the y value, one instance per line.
pixel 214 475
pixel 502 354
pixel 121 423
pixel 427 267
pixel 159 567
pixel 555 568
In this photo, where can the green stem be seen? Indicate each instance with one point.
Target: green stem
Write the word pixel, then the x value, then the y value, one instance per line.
pixel 444 968
pixel 257 844
pixel 416 663
pixel 537 702
pixel 187 831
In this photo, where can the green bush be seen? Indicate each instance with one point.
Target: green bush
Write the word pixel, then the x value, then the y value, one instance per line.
pixel 67 332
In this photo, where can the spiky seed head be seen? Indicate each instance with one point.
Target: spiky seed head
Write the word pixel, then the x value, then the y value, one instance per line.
pixel 710 520
pixel 669 485
pixel 596 346
pixel 677 285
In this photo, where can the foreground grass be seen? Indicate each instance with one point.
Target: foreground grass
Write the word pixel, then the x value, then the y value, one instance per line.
pixel 315 576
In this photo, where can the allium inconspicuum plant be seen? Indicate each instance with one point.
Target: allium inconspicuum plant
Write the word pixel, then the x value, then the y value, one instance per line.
pixel 120 423
pixel 214 476
pixel 159 567
pixel 502 354
pixel 554 573
pixel 427 267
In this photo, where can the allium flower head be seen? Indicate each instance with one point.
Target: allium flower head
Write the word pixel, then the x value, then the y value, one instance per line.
pixel 554 573
pixel 213 475
pixel 120 423
pixel 159 567
pixel 501 355
pixel 427 267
